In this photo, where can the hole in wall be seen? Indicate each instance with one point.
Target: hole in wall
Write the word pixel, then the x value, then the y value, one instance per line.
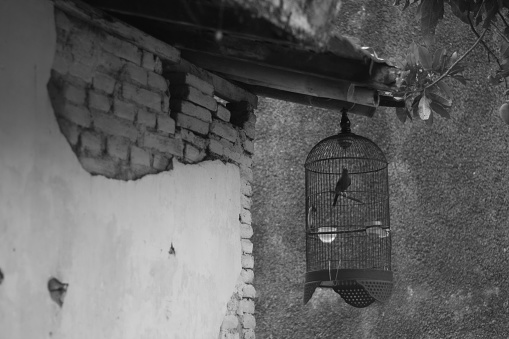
pixel 172 250
pixel 1 276
pixel 57 291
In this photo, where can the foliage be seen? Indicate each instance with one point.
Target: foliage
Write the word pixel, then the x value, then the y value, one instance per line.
pixel 422 79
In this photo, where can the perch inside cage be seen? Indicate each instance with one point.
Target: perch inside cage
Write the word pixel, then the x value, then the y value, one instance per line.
pixel 348 239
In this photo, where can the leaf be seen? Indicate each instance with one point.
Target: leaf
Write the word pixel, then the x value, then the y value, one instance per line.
pixel 504 49
pixel 458 68
pixel 437 59
pixel 440 110
pixel 424 109
pixel 460 78
pixel 445 88
pixel 401 113
pixel 431 11
pixel 424 57
pixel 459 11
pixel 439 99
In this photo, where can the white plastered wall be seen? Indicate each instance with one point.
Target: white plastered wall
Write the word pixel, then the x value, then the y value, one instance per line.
pixel 109 240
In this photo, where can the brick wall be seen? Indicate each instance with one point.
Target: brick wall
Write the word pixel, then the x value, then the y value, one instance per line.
pixel 127 111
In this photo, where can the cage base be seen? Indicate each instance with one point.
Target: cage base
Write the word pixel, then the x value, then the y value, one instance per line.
pixel 358 287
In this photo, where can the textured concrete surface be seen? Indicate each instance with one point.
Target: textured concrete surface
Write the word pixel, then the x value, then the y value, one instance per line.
pixel 449 195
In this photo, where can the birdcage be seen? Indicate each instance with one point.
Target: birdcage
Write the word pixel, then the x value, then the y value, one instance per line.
pixel 348 238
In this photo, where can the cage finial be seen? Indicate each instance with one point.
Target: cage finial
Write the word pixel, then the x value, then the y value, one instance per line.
pixel 345 122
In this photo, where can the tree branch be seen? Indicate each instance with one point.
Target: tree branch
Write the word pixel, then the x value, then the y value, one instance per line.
pixel 457 61
pixel 482 41
pixel 502 17
pixel 497 30
pixel 486 47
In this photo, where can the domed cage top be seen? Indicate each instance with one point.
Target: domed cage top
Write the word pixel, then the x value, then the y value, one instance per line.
pixel 348 239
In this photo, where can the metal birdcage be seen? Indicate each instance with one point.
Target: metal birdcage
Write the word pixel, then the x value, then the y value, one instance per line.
pixel 348 239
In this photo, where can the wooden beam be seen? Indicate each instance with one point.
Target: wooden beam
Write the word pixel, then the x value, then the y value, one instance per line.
pixel 330 104
pixel 281 79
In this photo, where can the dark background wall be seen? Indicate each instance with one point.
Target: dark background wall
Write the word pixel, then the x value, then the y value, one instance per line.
pixel 449 194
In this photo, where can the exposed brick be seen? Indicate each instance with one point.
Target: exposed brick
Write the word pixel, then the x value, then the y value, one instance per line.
pixel 110 64
pixel 147 119
pixel 157 81
pixel 122 49
pixel 216 147
pixel 248 334
pixel 191 123
pixel 124 110
pixel 118 147
pixel 233 304
pixel 248 146
pixel 245 202
pixel 135 74
pixel 222 113
pixel 92 143
pixel 158 65
pixel 76 95
pixel 148 60
pixel 103 166
pixel 142 96
pixel 62 61
pixel 250 126
pixel 230 322
pixel 247 276
pixel 70 130
pixel 165 124
pixel 246 231
pixel 77 114
pixel 247 246
pixel 248 291
pixel 246 306
pixel 193 95
pixel 98 101
pixel 245 216
pixel 166 104
pixel 164 144
pixel 192 138
pixel 139 156
pixel 81 70
pixel 247 261
pixel 160 162
pixel 114 126
pixel 231 153
pixel 224 130
pixel 190 109
pixel 246 172
pixel 245 187
pixel 104 83
pixel 191 80
pixel 62 21
pixel 247 163
pixel 248 321
pixel 193 154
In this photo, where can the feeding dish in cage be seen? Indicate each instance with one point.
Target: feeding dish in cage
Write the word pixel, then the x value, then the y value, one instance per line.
pixel 348 239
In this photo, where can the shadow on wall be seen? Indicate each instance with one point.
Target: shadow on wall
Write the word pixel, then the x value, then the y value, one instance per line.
pixel 448 202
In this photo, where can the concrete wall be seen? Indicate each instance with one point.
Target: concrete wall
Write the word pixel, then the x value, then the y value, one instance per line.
pixel 449 193
pixel 163 256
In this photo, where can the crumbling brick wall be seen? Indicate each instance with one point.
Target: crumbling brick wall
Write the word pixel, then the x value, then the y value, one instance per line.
pixel 127 111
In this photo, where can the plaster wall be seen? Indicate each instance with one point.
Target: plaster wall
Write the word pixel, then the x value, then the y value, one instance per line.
pixel 108 239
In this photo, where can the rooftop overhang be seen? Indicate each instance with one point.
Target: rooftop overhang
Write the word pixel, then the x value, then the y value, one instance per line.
pixel 280 49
